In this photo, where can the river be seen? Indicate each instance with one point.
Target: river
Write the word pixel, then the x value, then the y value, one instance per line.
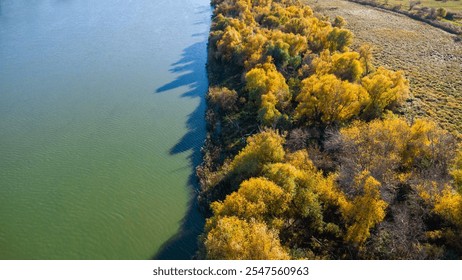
pixel 101 124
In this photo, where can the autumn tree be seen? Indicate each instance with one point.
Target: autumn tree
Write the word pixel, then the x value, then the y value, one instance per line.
pixel 252 49
pixel 268 89
pixel 347 66
pixel 229 44
pixel 448 206
pixel 300 190
pixel 365 211
pixel 339 22
pixel 262 148
pixel 386 89
pixel 391 149
pixel 222 99
pixel 256 199
pixel 377 146
pixel 234 239
pixel 456 170
pixel 366 57
pixel 329 100
pixel 339 39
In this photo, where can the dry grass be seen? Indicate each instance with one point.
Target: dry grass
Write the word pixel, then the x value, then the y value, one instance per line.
pixel 450 5
pixel 430 58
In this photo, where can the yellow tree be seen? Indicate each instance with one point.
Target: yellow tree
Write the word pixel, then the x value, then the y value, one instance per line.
pixel 365 211
pixel 347 66
pixel 253 49
pixel 339 39
pixel 339 22
pixel 229 44
pixel 456 170
pixel 257 199
pixel 386 89
pixel 300 187
pixel 424 145
pixel 234 239
pixel 448 205
pixel 365 52
pixel 262 148
pixel 268 88
pixel 330 100
pixel 377 146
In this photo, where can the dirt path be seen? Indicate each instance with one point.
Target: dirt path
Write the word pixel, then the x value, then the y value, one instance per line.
pixel 430 57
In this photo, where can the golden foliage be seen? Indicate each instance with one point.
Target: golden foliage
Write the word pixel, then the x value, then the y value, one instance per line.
pixel 377 143
pixel 329 99
pixel 235 239
pixel 449 206
pixel 339 39
pixel 386 88
pixel 269 90
pixel 229 43
pixel 262 148
pixel 347 66
pixel 365 211
pixel 395 143
pixel 456 170
pixel 257 198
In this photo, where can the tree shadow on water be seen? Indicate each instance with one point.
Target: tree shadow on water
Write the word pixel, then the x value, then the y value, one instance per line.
pixel 191 74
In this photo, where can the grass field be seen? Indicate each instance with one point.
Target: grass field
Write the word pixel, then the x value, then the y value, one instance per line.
pixel 449 5
pixel 447 14
pixel 430 58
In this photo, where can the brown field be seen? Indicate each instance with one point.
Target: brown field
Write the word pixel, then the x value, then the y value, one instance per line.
pixel 450 5
pixel 430 57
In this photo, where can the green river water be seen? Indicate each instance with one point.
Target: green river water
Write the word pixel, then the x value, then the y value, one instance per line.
pixel 101 122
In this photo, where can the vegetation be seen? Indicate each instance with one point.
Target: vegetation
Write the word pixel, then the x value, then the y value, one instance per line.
pixel 305 155
pixel 445 14
pixel 431 58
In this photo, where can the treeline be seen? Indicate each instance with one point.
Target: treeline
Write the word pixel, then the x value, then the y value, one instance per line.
pixel 306 156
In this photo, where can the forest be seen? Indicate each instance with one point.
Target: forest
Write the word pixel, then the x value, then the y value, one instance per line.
pixel 308 154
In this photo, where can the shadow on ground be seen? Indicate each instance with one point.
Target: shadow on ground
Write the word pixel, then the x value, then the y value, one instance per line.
pixel 192 74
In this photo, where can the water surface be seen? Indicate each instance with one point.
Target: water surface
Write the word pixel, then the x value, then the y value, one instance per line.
pixel 101 120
